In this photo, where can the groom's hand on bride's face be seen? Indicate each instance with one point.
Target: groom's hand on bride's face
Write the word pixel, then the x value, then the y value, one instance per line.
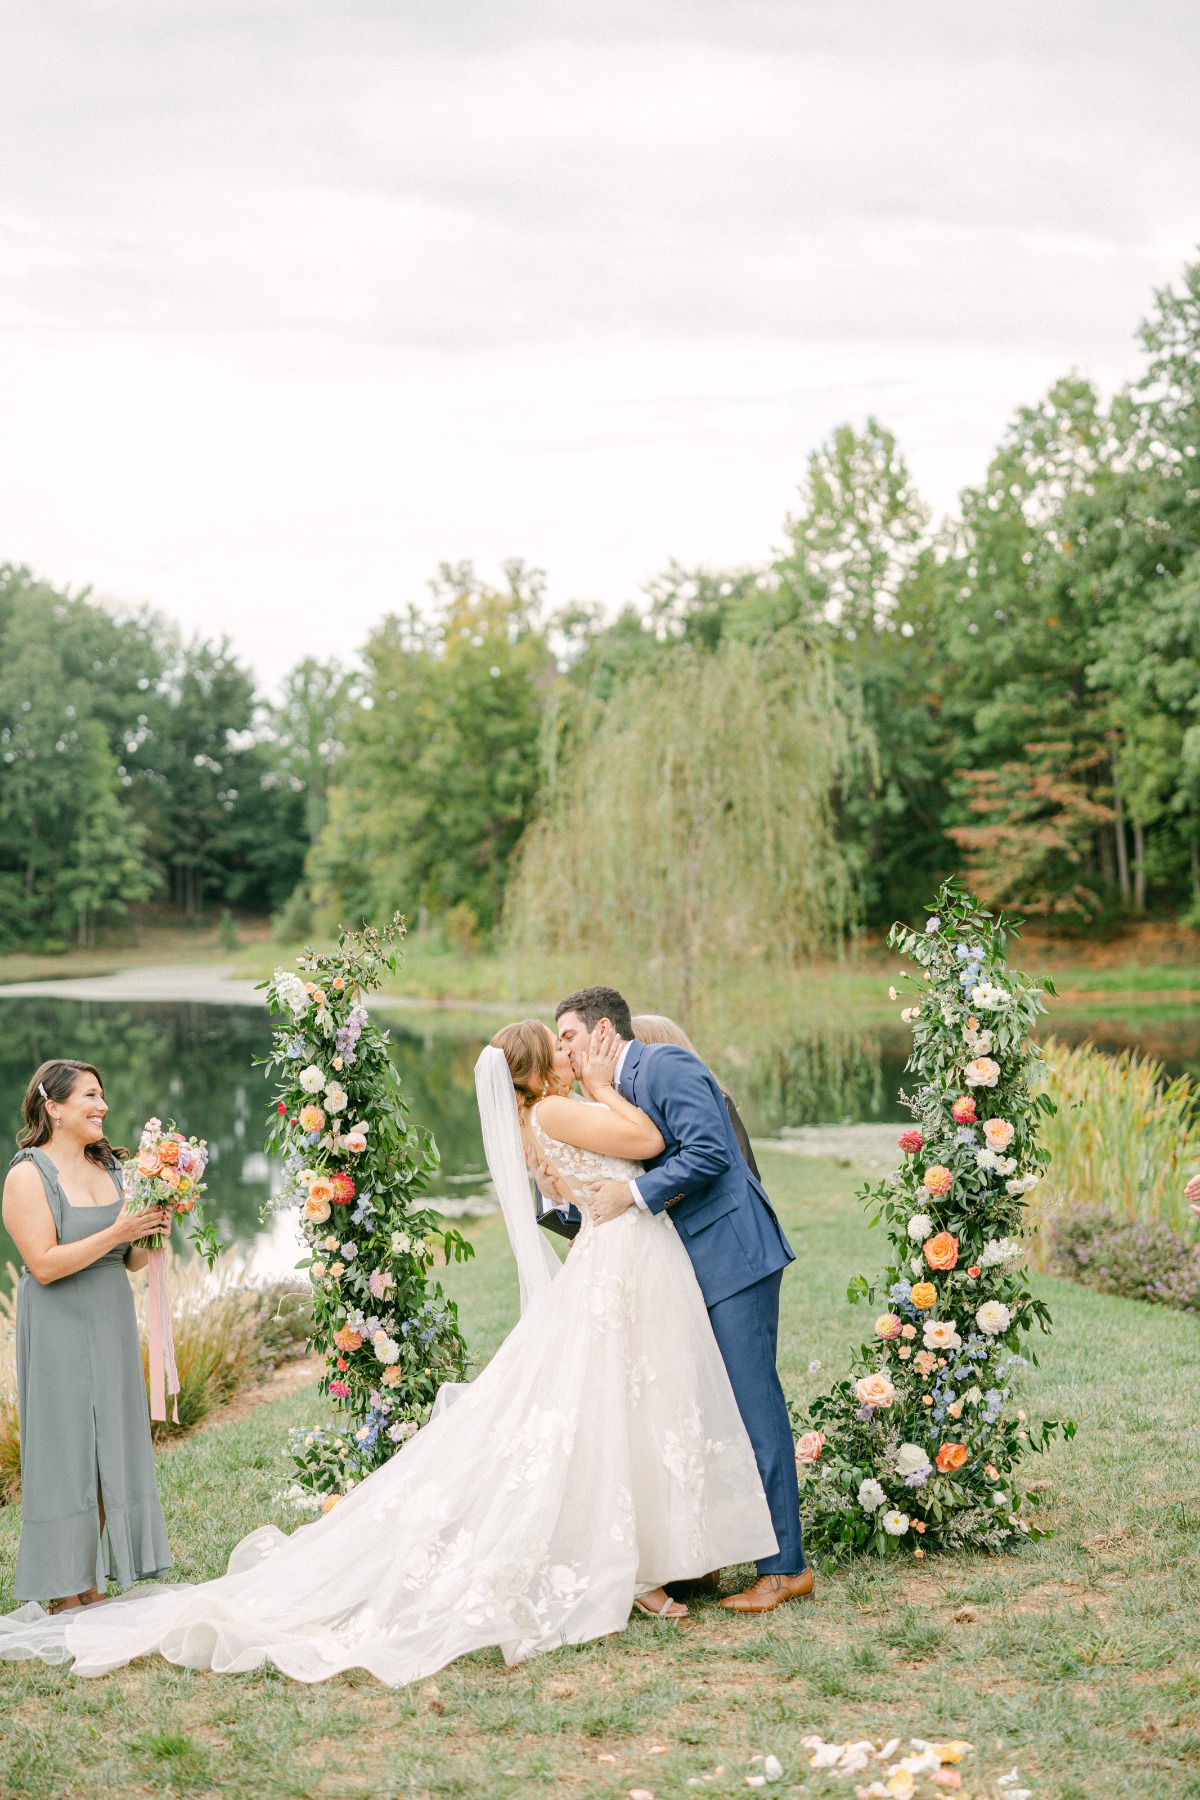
pixel 608 1200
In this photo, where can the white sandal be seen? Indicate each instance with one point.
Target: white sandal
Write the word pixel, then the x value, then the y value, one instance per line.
pixel 660 1612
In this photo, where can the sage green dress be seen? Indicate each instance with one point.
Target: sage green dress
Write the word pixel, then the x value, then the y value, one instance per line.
pixel 84 1419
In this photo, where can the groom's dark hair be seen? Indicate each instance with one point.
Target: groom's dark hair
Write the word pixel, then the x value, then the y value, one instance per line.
pixel 596 1003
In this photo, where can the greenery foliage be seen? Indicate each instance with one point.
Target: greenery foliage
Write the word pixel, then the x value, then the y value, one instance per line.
pixel 355 1168
pixel 919 1448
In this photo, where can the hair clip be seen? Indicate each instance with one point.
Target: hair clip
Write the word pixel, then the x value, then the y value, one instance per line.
pixel 42 1092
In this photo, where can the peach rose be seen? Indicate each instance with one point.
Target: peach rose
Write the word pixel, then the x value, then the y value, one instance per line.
pixel 392 1377
pixel 941 1252
pixel 329 1502
pixel 924 1295
pixel 354 1141
pixel 321 1189
pixel 149 1162
pixel 908 1331
pixel 887 1325
pixel 983 1072
pixel 938 1179
pixel 951 1456
pixel 170 1178
pixel 168 1151
pixel 312 1118
pixel 998 1132
pixel 809 1446
pixel 874 1390
pixel 316 1211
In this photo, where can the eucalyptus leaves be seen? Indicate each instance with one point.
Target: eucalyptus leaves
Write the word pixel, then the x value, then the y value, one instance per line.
pixel 919 1447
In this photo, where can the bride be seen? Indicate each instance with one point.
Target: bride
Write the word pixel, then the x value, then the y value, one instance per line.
pixel 599 1455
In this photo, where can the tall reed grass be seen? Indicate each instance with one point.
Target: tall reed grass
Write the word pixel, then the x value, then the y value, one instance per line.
pixel 228 1336
pixel 1125 1137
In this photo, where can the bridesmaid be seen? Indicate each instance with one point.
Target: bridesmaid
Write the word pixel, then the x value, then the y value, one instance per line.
pixel 90 1508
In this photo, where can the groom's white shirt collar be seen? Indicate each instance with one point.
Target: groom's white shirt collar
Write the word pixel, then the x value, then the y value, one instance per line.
pixel 617 1084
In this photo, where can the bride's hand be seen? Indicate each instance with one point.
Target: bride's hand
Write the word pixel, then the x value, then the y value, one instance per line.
pixel 600 1064
pixel 1192 1192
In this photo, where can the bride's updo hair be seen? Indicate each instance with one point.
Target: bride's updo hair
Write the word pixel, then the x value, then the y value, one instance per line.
pixel 529 1052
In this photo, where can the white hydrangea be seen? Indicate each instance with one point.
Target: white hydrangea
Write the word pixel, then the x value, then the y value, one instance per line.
pixel 871 1496
pixel 1000 1250
pixel 312 1079
pixel 895 1523
pixel 920 1227
pixel 993 1317
pixel 987 996
pixel 403 1428
pixel 290 991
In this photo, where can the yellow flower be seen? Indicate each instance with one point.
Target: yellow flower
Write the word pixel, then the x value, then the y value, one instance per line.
pixel 924 1295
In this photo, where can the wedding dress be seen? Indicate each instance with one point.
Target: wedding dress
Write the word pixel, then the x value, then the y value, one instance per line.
pixel 598 1455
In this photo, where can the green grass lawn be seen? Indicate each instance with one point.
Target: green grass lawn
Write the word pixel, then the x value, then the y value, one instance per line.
pixel 1078 1659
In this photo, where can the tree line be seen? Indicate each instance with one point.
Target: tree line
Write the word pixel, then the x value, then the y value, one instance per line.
pixel 757 758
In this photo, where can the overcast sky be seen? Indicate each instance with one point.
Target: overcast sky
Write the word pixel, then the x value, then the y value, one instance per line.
pixel 299 298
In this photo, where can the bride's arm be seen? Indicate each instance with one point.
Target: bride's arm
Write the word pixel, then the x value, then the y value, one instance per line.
pixel 614 1128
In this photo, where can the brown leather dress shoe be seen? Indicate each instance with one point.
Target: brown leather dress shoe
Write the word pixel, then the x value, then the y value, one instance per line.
pixel 770 1591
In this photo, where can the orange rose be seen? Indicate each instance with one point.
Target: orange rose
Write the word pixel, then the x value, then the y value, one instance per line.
pixel 924 1295
pixel 149 1162
pixel 170 1178
pixel 941 1252
pixel 951 1456
pixel 185 1206
pixel 168 1151
pixel 937 1179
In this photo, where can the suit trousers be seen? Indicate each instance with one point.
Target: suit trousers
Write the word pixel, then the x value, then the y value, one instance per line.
pixel 746 1327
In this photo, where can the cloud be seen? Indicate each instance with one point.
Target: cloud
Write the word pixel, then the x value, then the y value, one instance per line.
pixel 295 292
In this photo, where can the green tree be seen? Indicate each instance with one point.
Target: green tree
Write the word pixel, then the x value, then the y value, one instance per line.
pixel 441 761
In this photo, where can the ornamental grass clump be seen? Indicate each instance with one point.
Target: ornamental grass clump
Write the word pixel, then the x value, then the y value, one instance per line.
pixel 354 1169
pixel 919 1447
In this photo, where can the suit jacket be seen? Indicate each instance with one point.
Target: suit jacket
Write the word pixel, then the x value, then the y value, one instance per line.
pixel 718 1207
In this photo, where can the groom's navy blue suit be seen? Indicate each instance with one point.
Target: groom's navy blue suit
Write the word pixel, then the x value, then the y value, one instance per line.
pixel 738 1251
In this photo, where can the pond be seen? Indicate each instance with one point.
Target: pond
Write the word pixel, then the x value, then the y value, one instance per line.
pixel 195 1064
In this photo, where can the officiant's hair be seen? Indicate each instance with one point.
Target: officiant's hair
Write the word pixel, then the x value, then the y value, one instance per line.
pixel 529 1052
pixel 596 1003
pixel 56 1080
pixel 656 1028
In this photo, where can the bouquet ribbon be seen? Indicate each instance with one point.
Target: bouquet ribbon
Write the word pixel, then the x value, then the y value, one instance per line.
pixel 162 1341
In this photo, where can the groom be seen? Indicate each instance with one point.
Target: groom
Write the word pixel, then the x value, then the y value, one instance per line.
pixel 738 1251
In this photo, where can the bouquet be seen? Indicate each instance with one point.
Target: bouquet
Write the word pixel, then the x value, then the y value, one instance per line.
pixel 168 1171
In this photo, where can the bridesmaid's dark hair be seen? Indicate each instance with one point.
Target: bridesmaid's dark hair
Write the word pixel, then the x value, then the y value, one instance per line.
pixel 55 1080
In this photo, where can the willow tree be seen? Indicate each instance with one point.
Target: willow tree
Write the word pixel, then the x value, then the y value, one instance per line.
pixel 691 821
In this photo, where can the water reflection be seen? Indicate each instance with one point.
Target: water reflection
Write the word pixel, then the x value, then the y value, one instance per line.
pixel 195 1064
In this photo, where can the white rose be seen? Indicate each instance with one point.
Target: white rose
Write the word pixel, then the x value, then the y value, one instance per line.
pixel 354 1141
pixel 1005 1165
pixel 386 1348
pixel 940 1334
pixel 920 1227
pixel 1022 1184
pixel 895 1523
pixel 988 996
pixel 335 1097
pixel 871 1496
pixel 910 1458
pixel 312 1079
pixel 993 1317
